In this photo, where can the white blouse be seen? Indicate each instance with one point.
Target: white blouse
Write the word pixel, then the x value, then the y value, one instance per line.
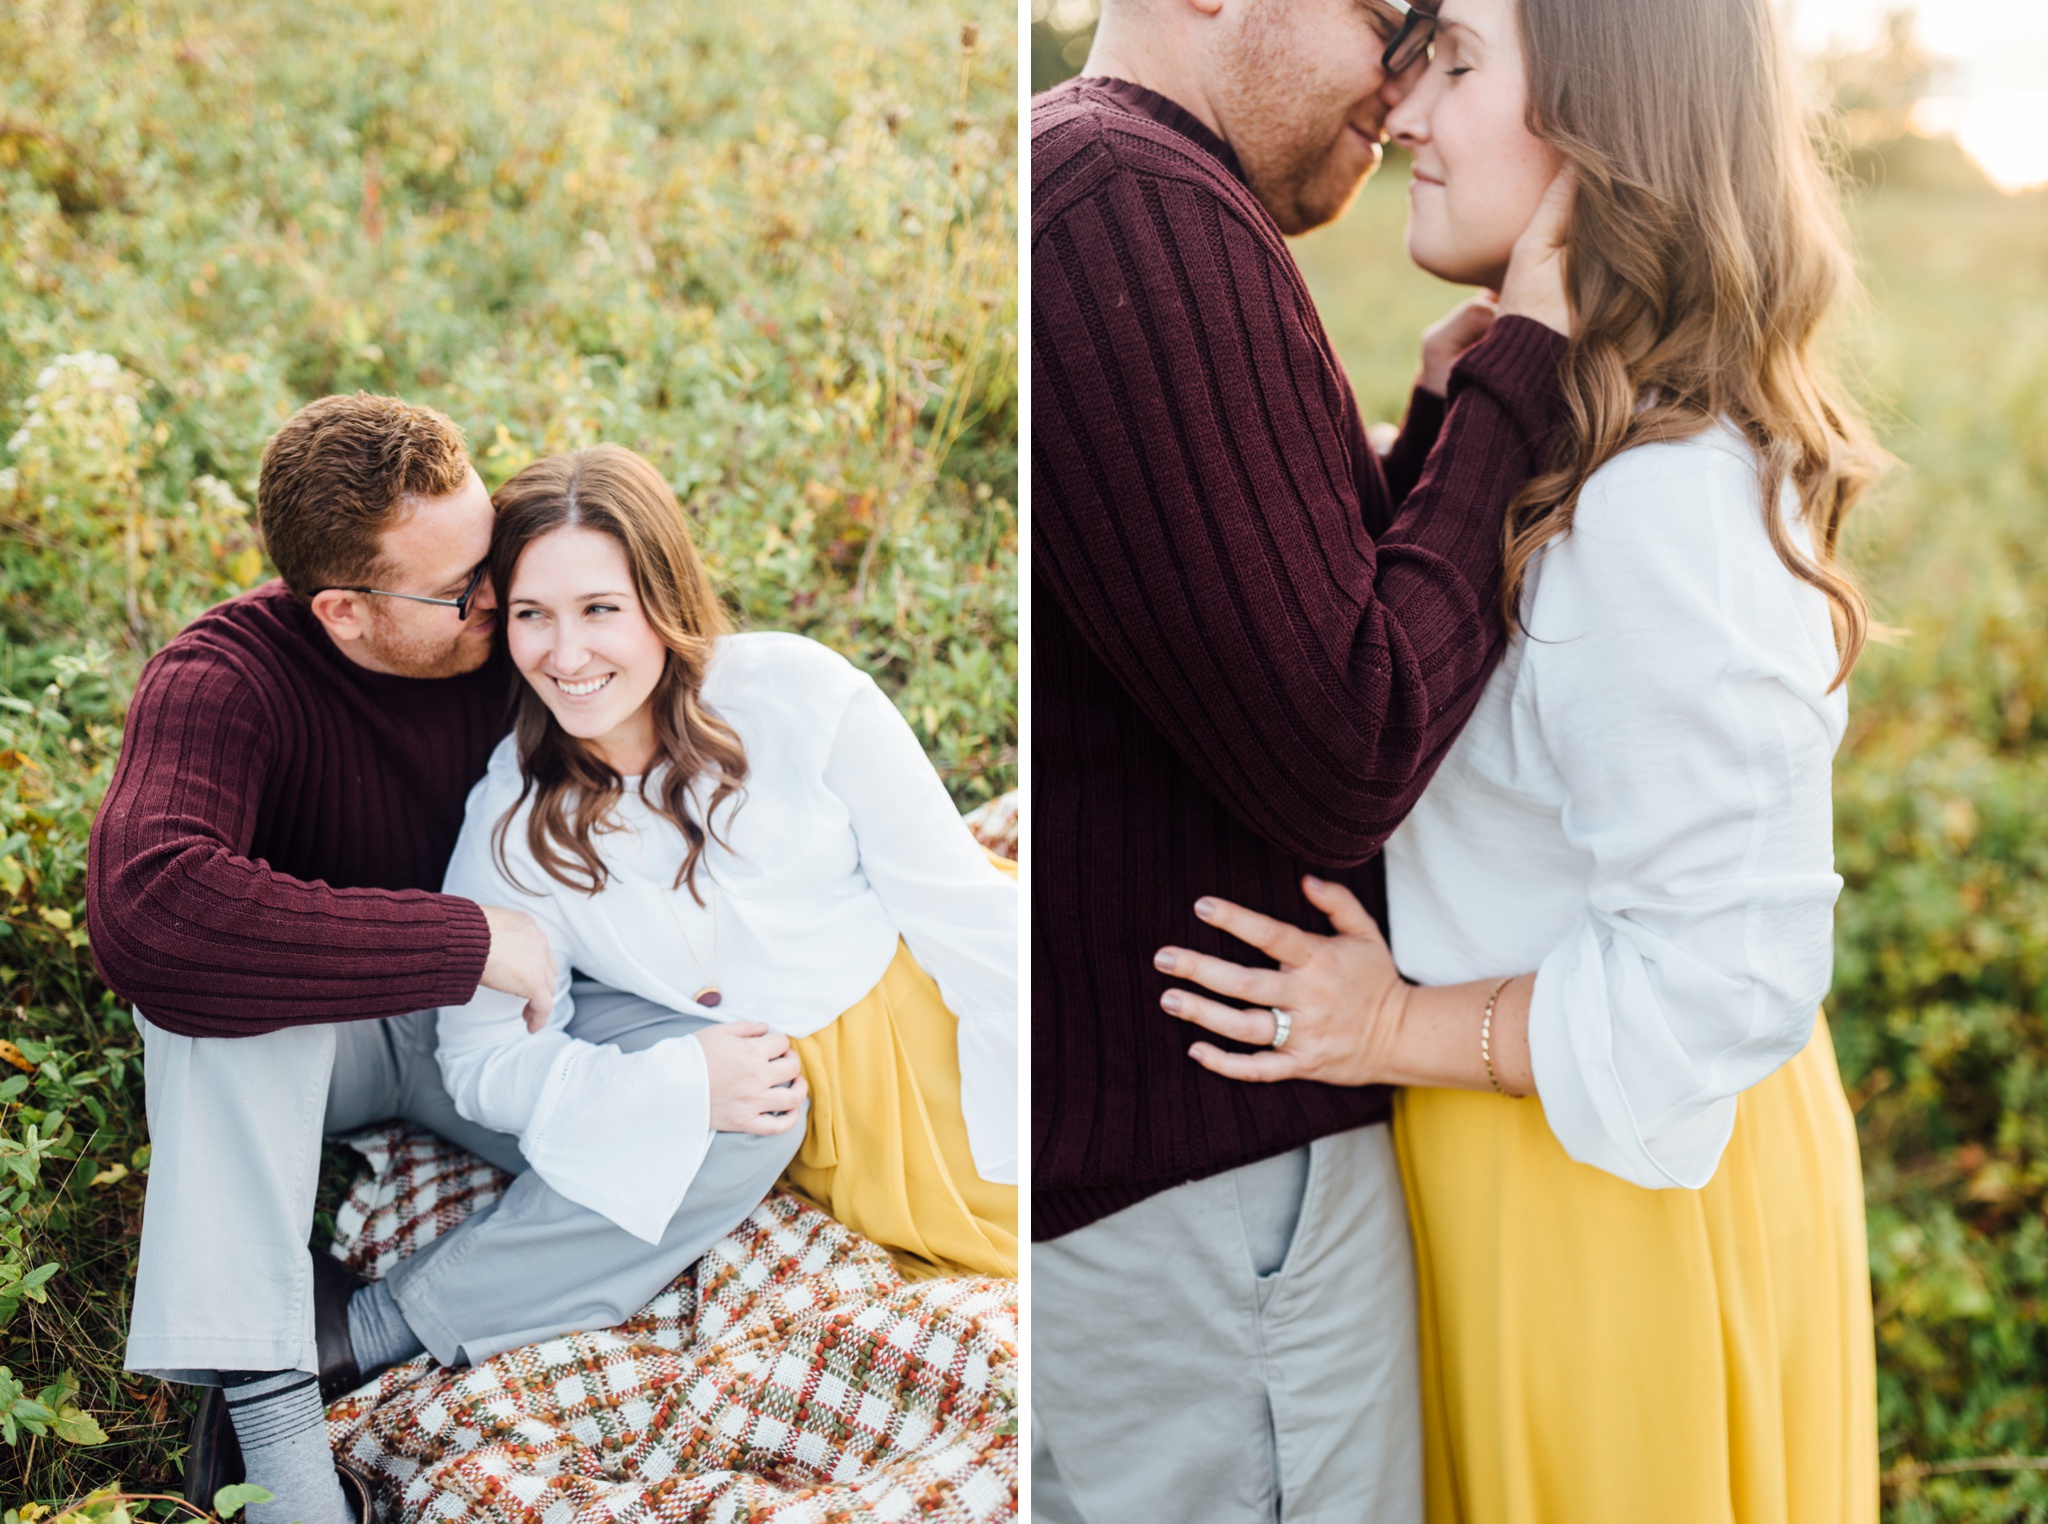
pixel 1640 811
pixel 845 839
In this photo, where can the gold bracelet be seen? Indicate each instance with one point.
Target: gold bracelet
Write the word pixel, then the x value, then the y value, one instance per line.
pixel 1486 1035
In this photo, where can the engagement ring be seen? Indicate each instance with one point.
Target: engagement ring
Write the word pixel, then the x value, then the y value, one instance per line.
pixel 1282 1025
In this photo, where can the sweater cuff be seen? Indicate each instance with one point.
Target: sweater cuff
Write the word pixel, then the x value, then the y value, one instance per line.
pixel 1518 363
pixel 469 949
pixel 1419 430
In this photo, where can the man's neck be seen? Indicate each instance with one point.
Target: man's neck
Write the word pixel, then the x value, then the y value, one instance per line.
pixel 1118 55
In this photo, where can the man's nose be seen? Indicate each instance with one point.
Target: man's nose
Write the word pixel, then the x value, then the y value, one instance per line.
pixel 1396 88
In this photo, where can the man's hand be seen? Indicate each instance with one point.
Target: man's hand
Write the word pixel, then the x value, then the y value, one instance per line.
pixel 757 1082
pixel 1534 285
pixel 1445 341
pixel 521 962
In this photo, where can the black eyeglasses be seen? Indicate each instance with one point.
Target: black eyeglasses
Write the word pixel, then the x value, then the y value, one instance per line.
pixel 1411 39
pixel 460 605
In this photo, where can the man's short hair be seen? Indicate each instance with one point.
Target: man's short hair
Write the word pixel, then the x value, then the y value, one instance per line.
pixel 335 477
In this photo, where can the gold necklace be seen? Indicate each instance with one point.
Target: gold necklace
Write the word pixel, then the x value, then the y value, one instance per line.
pixel 710 997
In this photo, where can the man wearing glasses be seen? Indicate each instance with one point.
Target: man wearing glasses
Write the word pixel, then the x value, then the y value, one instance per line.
pixel 1251 642
pixel 263 888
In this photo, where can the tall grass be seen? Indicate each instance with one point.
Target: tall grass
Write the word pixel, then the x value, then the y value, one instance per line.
pixel 770 246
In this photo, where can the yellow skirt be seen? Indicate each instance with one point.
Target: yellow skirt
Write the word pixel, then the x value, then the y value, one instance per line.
pixel 886 1149
pixel 1597 1353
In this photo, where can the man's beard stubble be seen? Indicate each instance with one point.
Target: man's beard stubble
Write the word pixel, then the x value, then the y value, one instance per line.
pixel 410 655
pixel 1287 152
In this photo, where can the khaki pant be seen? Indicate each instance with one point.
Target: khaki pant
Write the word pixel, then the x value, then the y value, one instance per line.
pixel 224 1279
pixel 1239 1350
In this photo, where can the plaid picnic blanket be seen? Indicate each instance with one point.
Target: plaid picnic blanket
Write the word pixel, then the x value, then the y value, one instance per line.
pixel 792 1377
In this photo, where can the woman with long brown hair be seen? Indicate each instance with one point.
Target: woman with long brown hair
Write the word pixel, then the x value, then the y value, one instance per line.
pixel 741 828
pixel 1631 1169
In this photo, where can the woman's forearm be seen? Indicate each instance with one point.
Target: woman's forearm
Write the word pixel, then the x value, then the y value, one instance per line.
pixel 1437 1043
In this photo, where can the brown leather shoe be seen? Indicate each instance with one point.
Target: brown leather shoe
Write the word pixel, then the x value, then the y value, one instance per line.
pixel 213 1458
pixel 333 1284
pixel 355 1486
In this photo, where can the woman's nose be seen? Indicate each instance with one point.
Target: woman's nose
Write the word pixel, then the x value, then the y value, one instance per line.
pixel 1407 97
pixel 571 650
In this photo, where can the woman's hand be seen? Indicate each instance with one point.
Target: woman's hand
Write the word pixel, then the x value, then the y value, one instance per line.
pixel 1534 285
pixel 1445 341
pixel 757 1082
pixel 1345 1001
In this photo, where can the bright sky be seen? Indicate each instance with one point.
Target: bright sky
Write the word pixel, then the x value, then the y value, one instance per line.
pixel 1994 98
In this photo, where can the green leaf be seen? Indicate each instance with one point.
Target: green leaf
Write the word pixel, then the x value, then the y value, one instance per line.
pixel 232 1499
pixel 75 1426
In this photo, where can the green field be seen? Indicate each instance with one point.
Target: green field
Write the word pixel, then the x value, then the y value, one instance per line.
pixel 1941 985
pixel 771 246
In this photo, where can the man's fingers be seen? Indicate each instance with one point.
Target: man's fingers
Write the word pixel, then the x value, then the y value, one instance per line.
pixel 1346 914
pixel 1261 986
pixel 1262 1068
pixel 1254 1026
pixel 1278 940
pixel 747 1028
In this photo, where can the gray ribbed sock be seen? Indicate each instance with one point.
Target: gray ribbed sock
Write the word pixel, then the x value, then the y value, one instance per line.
pixel 377 1330
pixel 282 1430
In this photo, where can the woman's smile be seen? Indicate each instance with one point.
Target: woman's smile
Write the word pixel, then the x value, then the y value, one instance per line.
pixel 582 687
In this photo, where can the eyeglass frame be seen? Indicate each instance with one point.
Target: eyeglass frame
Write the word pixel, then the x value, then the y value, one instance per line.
pixel 460 604
pixel 1413 19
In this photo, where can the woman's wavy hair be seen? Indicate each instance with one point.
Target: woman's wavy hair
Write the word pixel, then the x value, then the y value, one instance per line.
pixel 1704 250
pixel 613 491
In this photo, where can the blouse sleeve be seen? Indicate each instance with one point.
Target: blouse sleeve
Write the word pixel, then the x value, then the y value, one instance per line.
pixel 622 1134
pixel 1678 676
pixel 954 908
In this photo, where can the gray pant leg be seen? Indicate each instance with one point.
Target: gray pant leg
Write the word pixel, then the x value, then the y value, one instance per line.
pixel 223 1280
pixel 1194 1359
pixel 385 1071
pixel 536 1264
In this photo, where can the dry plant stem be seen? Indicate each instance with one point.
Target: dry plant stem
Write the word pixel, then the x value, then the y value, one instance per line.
pixel 1901 1475
pixel 70 1509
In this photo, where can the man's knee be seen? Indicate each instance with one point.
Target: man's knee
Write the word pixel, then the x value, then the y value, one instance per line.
pixel 747 1164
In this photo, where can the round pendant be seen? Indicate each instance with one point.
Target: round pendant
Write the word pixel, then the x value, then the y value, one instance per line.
pixel 709 997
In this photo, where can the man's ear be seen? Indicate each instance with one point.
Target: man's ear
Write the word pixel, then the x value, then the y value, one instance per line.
pixel 340 613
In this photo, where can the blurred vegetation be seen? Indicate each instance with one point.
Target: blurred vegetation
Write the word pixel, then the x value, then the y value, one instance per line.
pixel 771 246
pixel 1941 982
pixel 1060 33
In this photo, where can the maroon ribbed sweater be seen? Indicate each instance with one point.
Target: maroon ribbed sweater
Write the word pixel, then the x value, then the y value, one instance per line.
pixel 271 848
pixel 1246 658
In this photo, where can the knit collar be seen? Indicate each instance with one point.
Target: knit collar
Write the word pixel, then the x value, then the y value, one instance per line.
pixel 1156 107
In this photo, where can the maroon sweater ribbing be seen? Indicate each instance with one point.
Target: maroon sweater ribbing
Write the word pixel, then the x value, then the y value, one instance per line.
pixel 1249 651
pixel 270 851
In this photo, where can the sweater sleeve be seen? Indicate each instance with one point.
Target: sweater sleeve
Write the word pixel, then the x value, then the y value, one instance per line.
pixel 1420 431
pixel 210 942
pixel 1196 514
